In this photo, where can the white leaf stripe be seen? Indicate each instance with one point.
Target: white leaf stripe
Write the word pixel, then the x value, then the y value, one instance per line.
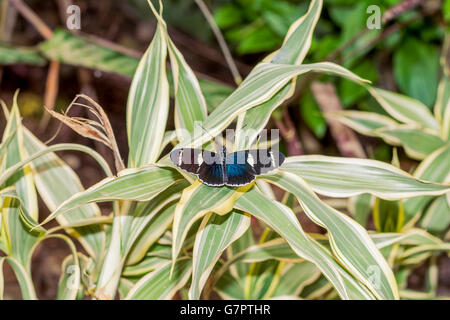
pixel 265 80
pixel 284 222
pixel 349 240
pixel 404 109
pixel 148 104
pixel 346 177
pixel 215 234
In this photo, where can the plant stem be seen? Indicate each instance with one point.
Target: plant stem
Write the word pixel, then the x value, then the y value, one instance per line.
pixel 33 18
pixel 220 39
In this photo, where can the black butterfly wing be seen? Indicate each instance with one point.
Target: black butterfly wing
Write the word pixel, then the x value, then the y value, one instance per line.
pixel 205 164
pixel 264 160
pixel 211 174
pixel 252 162
pixel 239 171
pixel 187 159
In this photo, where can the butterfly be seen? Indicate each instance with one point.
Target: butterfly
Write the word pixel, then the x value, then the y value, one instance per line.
pixel 230 169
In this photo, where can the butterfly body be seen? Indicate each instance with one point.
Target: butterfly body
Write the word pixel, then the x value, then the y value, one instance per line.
pixel 222 168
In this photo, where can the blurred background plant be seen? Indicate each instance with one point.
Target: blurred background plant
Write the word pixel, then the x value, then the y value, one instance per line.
pixel 51 65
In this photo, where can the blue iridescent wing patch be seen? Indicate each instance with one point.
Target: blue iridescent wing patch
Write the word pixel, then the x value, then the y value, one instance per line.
pixel 238 171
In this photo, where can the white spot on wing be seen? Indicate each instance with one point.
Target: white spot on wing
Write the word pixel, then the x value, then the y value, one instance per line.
pixel 272 159
pixel 250 160
pixel 180 157
pixel 199 158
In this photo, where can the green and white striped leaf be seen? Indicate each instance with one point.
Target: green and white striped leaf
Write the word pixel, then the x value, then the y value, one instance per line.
pixel 215 234
pixel 148 264
pixel 18 240
pixel 265 80
pixel 405 109
pixel 190 105
pixel 417 143
pixel 72 49
pixel 23 278
pixel 435 167
pixel 299 36
pixel 285 223
pixel 131 184
pixel 75 50
pixel 295 47
pixel 346 177
pixel 349 240
pixel 159 285
pixel 148 104
pixel 196 201
pixel 150 221
pixel 360 207
pixel 363 122
pixel 437 216
pixel 442 106
pixel 49 170
pixel 295 277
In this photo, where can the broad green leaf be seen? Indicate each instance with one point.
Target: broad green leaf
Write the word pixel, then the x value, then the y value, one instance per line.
pixel 418 143
pixel 15 55
pixel 49 170
pixel 285 223
pixel 148 104
pixel 215 234
pixel 159 285
pixel 404 109
pixel 345 177
pixel 130 184
pixel 349 241
pixel 415 58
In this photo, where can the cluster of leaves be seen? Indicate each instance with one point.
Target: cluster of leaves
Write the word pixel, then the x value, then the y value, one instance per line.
pixel 258 26
pixel 168 232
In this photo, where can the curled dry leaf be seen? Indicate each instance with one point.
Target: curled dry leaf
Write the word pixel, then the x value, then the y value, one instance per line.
pixel 100 131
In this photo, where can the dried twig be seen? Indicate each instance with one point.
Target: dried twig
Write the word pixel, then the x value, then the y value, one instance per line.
pixel 51 91
pixel 399 9
pixel 289 133
pixel 223 45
